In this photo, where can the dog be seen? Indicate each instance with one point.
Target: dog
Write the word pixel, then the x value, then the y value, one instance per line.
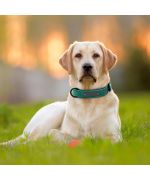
pixel 91 109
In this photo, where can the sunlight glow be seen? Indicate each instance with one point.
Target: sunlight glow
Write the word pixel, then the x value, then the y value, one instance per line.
pixel 19 52
pixel 51 49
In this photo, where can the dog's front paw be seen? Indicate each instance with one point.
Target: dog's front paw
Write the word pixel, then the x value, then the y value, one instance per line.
pixel 114 138
pixel 59 136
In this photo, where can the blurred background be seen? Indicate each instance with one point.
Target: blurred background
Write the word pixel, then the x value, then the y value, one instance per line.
pixel 30 47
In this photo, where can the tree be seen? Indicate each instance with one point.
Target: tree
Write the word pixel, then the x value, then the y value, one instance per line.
pixel 137 70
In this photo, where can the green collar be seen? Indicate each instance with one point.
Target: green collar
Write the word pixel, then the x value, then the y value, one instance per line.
pixel 91 93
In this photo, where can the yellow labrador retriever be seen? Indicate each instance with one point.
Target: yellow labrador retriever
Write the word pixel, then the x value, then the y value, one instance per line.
pixel 91 109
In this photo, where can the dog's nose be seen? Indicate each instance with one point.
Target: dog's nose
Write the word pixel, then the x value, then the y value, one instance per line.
pixel 87 67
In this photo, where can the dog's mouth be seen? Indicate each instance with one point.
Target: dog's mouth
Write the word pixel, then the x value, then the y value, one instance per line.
pixel 87 77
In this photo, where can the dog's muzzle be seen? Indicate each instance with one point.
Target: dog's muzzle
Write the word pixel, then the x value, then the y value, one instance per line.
pixel 87 73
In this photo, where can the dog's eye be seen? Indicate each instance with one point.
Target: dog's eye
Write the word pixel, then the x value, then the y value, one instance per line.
pixel 78 55
pixel 96 55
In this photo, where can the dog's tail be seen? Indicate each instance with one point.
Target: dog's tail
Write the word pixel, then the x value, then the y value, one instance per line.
pixel 18 140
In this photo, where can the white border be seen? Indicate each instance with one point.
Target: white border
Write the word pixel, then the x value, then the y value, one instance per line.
pixel 75 172
pixel 74 7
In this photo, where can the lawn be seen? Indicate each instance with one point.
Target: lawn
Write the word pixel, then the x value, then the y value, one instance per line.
pixel 135 148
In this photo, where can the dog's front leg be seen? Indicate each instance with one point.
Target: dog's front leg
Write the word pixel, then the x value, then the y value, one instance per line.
pixel 60 136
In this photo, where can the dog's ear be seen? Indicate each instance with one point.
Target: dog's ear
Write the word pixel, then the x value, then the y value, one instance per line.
pixel 110 58
pixel 66 60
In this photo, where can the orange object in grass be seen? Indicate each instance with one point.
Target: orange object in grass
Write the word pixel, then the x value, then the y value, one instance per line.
pixel 74 143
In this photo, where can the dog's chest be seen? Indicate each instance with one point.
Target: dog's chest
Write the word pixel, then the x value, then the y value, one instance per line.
pixel 88 115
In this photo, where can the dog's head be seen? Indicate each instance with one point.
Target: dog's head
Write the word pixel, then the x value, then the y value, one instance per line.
pixel 87 61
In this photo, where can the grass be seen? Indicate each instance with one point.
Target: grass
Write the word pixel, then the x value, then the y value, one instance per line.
pixel 135 148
